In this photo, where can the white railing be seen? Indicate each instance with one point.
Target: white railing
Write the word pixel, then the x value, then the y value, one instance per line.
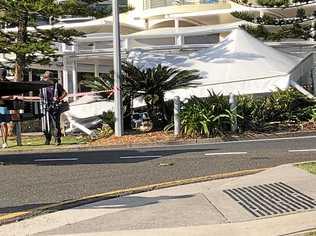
pixel 149 4
pixel 105 46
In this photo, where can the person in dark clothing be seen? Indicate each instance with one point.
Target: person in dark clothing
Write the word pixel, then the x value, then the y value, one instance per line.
pixel 50 97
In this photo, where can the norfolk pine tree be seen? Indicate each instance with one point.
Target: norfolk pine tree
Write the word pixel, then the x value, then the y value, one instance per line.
pixel 20 35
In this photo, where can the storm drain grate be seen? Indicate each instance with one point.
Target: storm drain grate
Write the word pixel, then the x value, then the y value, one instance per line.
pixel 271 199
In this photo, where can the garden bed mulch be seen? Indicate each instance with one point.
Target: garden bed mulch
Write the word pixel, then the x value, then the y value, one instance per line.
pixel 137 138
pixel 159 137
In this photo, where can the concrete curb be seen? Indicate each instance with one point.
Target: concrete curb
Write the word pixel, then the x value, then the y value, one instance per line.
pixel 85 147
pixel 18 216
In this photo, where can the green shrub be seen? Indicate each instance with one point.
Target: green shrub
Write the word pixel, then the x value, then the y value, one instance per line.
pixel 273 3
pixel 280 106
pixel 268 20
pixel 108 123
pixel 251 109
pixel 257 31
pixel 212 116
pixel 300 13
pixel 206 116
pixel 109 119
pixel 104 132
pixel 299 31
pixel 294 31
pixel 247 16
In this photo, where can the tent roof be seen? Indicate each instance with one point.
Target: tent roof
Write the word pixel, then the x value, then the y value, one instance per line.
pixel 240 64
pixel 241 57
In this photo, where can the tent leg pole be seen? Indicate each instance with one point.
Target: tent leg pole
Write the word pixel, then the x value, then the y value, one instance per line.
pixel 301 89
pixel 233 109
pixel 79 126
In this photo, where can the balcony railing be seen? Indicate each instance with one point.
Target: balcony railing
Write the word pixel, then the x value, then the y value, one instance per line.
pixel 149 4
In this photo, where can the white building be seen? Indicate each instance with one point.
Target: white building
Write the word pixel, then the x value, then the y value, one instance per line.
pixel 155 26
pixel 158 25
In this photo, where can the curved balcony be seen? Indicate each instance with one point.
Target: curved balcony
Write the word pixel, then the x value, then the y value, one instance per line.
pixel 157 9
pixel 150 4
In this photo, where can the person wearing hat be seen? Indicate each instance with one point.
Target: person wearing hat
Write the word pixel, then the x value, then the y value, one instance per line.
pixel 4 113
pixel 51 96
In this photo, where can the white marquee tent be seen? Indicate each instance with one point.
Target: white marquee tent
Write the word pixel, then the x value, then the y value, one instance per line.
pixel 240 64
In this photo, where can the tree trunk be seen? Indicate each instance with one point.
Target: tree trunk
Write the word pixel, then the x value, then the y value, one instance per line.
pixel 20 63
pixel 18 71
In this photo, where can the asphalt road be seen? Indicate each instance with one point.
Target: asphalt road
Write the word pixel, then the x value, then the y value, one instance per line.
pixel 32 180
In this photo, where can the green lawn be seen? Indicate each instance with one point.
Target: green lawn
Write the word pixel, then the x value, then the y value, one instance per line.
pixel 310 167
pixel 310 234
pixel 37 142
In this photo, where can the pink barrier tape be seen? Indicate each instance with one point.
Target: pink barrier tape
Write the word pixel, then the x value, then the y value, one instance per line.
pixel 37 98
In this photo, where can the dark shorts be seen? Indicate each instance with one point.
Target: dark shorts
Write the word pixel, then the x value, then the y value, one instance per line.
pixel 4 118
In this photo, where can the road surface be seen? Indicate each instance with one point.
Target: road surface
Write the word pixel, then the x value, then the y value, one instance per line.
pixel 32 180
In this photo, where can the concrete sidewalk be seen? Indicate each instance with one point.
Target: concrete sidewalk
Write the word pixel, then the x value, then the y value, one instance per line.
pixel 278 201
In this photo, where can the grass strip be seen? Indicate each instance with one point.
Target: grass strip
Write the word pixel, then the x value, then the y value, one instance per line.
pixel 37 142
pixel 310 167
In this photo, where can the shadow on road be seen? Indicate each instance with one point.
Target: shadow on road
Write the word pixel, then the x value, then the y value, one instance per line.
pixel 93 157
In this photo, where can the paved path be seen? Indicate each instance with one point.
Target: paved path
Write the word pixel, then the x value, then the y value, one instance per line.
pixel 32 180
pixel 196 209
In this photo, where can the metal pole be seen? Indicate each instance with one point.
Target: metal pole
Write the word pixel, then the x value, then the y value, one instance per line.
pixel 75 79
pixel 65 69
pixel 233 107
pixel 18 131
pixel 176 111
pixel 96 70
pixel 117 70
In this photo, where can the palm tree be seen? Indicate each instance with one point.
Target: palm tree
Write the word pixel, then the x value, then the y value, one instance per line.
pixel 150 83
pixel 130 77
pixel 155 82
pixel 105 83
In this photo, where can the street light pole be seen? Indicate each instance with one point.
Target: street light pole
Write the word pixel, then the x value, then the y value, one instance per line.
pixel 117 70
